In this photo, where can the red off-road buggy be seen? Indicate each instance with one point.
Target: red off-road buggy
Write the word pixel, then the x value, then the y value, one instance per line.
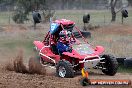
pixel 82 56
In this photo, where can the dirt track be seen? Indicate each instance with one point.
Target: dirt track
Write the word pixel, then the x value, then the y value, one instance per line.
pixel 11 79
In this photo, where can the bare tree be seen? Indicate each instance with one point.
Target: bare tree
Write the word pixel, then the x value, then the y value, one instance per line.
pixel 113 12
pixel 130 2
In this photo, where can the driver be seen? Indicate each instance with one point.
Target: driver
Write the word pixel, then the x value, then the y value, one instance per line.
pixel 63 42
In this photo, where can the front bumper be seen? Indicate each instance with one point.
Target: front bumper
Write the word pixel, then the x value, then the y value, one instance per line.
pixel 91 63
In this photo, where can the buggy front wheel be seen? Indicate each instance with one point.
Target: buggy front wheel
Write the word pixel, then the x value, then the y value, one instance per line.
pixel 64 69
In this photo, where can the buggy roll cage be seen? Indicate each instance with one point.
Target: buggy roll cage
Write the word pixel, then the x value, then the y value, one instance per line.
pixel 49 35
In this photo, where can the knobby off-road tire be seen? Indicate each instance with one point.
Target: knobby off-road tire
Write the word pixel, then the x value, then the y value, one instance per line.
pixel 110 64
pixel 64 69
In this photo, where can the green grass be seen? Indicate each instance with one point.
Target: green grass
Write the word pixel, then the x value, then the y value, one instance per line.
pixel 5 18
pixel 98 17
pixel 123 69
pixel 12 43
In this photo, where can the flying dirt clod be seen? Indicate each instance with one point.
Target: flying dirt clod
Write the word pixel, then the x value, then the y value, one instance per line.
pixel 18 66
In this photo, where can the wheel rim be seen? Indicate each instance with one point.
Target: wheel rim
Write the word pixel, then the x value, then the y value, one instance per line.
pixel 62 71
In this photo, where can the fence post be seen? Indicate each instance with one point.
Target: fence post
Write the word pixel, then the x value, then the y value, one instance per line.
pixel 8 14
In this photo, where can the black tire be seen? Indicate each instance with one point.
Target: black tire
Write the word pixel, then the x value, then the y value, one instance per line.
pixel 110 64
pixel 85 34
pixel 120 60
pixel 128 62
pixel 85 82
pixel 124 13
pixel 86 18
pixel 36 17
pixel 67 67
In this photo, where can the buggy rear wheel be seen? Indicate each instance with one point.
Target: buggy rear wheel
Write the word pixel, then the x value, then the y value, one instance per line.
pixel 110 64
pixel 64 69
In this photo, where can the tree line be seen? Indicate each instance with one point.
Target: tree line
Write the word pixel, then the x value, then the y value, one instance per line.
pixel 24 7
